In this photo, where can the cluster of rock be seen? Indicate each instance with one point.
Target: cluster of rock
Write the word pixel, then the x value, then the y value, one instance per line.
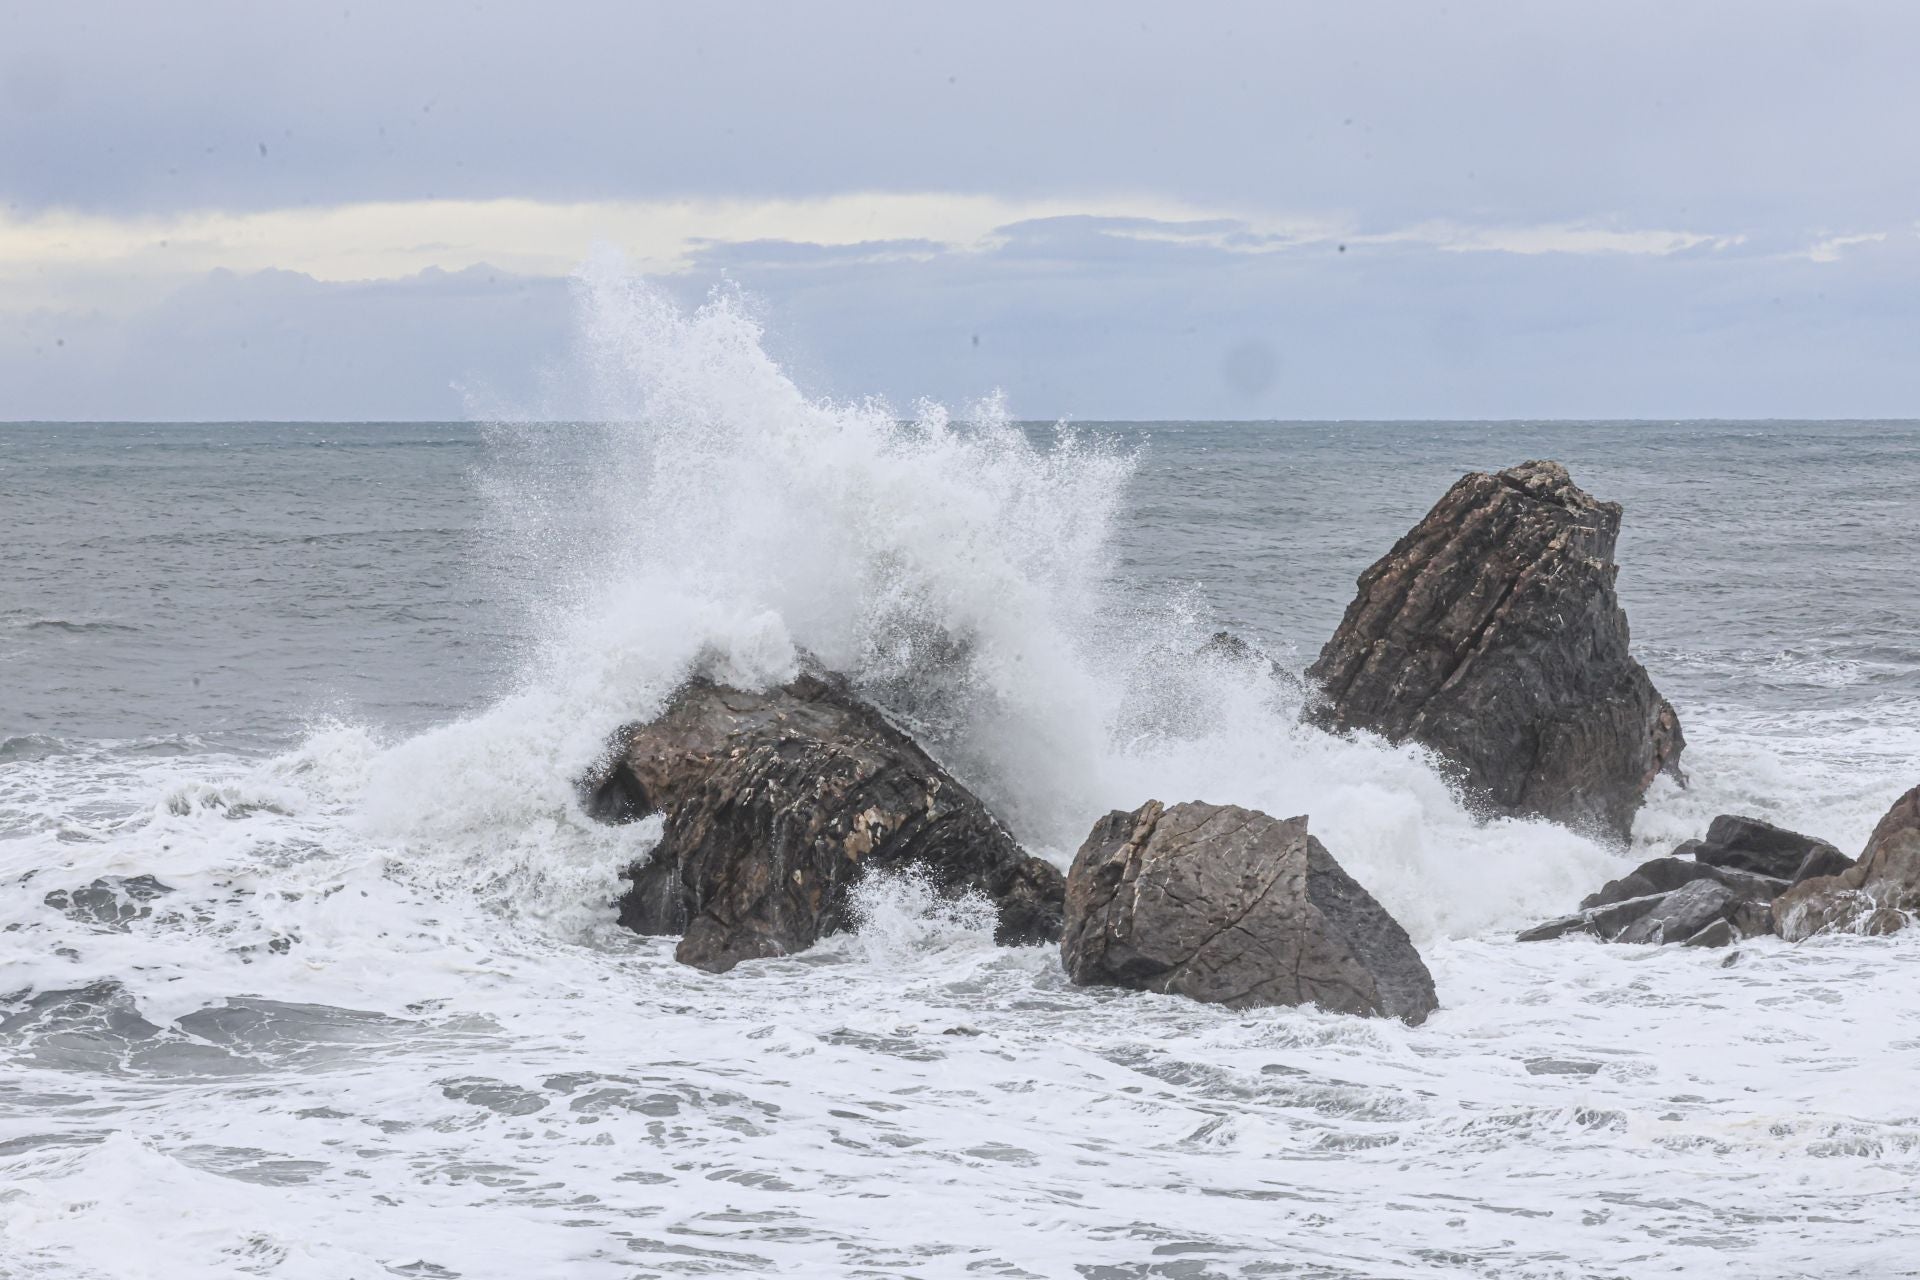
pixel 1491 634
pixel 1706 893
pixel 1748 878
pixel 775 803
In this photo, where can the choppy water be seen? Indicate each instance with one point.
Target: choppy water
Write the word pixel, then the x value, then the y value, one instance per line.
pixel 326 685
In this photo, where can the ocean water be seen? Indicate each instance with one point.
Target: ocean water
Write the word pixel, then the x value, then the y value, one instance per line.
pixel 307 966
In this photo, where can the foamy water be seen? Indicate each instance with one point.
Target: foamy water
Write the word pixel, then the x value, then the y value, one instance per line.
pixel 374 1019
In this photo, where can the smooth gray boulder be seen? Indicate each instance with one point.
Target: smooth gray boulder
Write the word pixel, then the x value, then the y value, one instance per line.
pixel 1491 633
pixel 1230 906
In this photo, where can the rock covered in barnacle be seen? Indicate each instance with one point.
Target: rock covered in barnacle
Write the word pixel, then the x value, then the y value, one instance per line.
pixel 1492 634
pixel 777 802
pixel 1230 906
pixel 1880 893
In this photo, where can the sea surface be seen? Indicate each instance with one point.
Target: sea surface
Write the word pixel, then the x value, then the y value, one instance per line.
pixel 307 963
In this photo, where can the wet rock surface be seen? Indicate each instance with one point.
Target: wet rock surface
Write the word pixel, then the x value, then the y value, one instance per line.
pixel 110 902
pixel 1663 875
pixel 776 803
pixel 1230 906
pixel 1678 916
pixel 1748 844
pixel 1880 893
pixel 1492 634
pixel 1708 892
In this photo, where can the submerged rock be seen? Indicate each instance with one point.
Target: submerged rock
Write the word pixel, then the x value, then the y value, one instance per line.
pixel 1491 633
pixel 776 803
pixel 111 902
pixel 1230 906
pixel 1878 894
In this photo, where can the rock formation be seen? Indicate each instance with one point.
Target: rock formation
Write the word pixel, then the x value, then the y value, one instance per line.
pixel 1706 893
pixel 776 803
pixel 1491 633
pixel 1880 893
pixel 1230 906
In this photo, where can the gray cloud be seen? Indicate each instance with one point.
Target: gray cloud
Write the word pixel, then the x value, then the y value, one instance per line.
pixel 1628 208
pixel 277 345
pixel 1069 318
pixel 1734 117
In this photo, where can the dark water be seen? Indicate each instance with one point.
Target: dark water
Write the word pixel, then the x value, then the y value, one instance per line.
pixel 238 582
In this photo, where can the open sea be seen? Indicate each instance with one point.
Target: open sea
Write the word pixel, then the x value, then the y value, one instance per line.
pixel 307 962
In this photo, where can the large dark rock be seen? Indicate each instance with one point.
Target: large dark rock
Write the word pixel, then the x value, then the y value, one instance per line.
pixel 1878 894
pixel 1230 906
pixel 776 803
pixel 1748 844
pixel 1491 633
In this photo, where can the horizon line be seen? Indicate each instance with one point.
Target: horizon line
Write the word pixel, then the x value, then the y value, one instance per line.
pixel 1040 421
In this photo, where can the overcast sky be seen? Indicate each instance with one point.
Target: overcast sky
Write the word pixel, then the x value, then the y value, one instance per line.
pixel 1107 210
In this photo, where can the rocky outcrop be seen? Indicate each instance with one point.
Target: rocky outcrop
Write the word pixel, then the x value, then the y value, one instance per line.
pixel 776 803
pixel 1491 634
pixel 1229 906
pixel 1880 893
pixel 1706 893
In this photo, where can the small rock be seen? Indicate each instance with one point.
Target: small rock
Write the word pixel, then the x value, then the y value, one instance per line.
pixel 1823 861
pixel 1604 922
pixel 1663 875
pixel 1558 927
pixel 1748 844
pixel 1681 914
pixel 1718 934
